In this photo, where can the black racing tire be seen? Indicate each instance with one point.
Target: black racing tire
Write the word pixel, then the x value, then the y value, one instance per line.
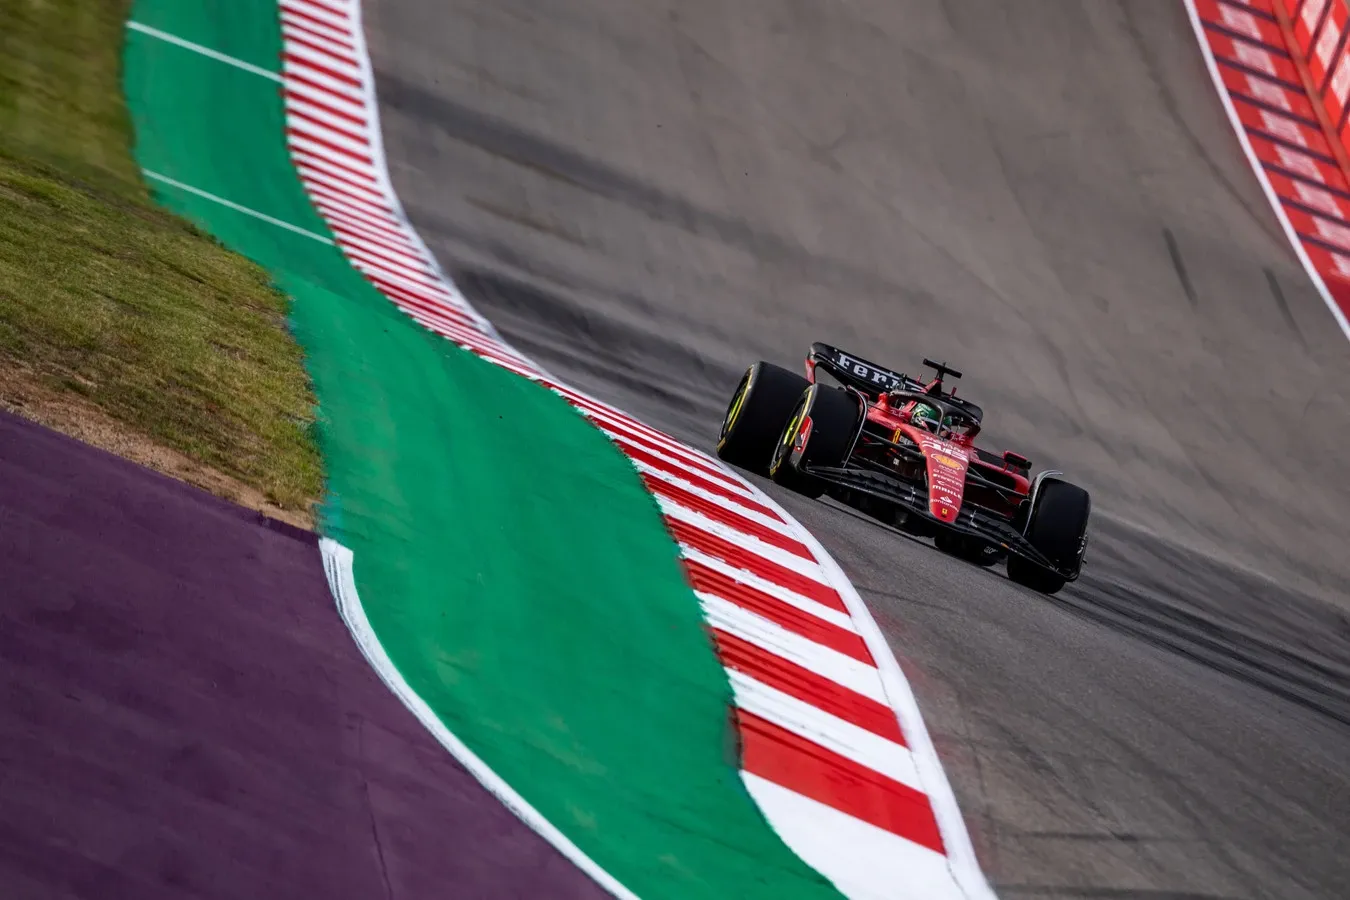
pixel 755 417
pixel 834 415
pixel 1057 527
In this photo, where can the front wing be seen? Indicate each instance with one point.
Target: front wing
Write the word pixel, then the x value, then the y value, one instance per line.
pixel 971 520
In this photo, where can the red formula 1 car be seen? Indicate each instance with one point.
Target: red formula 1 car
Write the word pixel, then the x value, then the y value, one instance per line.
pixel 904 452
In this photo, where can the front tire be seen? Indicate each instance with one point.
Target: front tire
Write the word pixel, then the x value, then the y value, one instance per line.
pixel 820 432
pixel 1057 527
pixel 756 414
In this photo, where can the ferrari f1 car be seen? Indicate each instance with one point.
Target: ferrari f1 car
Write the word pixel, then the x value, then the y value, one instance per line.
pixel 903 451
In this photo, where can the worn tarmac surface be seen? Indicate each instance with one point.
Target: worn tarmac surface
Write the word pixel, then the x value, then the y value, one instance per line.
pixel 183 713
pixel 649 196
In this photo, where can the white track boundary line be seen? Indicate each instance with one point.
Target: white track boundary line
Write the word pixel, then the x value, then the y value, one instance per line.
pixel 355 615
pixel 204 51
pixel 866 860
pixel 230 204
pixel 960 858
pixel 380 163
pixel 1255 162
pixel 337 566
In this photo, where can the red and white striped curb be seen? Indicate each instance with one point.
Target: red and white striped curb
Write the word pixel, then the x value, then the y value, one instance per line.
pixel 835 752
pixel 1260 80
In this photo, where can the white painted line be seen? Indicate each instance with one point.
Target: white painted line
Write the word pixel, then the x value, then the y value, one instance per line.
pixel 340 219
pixel 387 276
pixel 763 549
pixel 373 261
pixel 356 204
pixel 380 249
pixel 773 589
pixel 388 248
pixel 678 454
pixel 289 19
pixel 435 327
pixel 235 206
pixel 344 227
pixel 300 69
pixel 961 860
pixel 204 51
pixel 642 428
pixel 317 48
pixel 355 209
pixel 443 323
pixel 862 861
pixel 859 858
pixel 337 566
pixel 303 108
pixel 771 637
pixel 451 317
pixel 327 133
pixel 347 66
pixel 357 180
pixel 343 9
pixel 459 333
pixel 437 306
pixel 341 22
pixel 325 99
pixel 770 522
pixel 471 341
pixel 292 30
pixel 526 369
pixel 322 158
pixel 395 272
pixel 424 295
pixel 325 177
pixel 614 419
pixel 664 448
pixel 345 231
pixel 869 750
pixel 630 444
pixel 334 206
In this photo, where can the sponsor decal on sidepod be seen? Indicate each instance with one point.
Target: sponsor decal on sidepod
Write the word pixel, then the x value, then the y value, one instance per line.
pixel 946 477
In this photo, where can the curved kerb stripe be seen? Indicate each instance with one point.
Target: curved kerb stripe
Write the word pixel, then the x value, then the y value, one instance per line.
pixel 836 753
pixel 1259 85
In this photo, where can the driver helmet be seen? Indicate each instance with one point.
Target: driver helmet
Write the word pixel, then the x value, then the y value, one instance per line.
pixel 925 416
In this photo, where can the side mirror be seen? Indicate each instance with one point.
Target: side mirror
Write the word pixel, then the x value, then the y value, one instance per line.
pixel 1016 459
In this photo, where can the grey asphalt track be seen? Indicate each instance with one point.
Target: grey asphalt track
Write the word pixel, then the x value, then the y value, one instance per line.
pixel 649 196
pixel 184 715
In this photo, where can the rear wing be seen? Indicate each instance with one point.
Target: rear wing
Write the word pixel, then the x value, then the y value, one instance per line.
pixel 874 380
pixel 854 371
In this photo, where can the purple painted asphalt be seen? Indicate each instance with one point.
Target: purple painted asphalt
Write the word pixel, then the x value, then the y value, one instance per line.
pixel 183 714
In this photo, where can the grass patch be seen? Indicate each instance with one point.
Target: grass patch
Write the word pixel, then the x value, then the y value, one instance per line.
pixel 110 301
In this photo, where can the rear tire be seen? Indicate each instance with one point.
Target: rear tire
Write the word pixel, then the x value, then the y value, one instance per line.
pixel 1057 527
pixel 756 414
pixel 833 415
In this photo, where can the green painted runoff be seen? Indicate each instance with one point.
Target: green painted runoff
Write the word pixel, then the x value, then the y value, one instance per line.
pixel 507 555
